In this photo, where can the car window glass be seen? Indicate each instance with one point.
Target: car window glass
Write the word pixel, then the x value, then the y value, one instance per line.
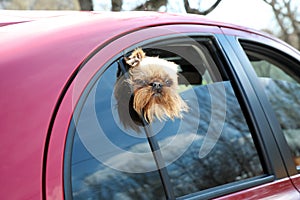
pixel 106 161
pixel 115 156
pixel 280 81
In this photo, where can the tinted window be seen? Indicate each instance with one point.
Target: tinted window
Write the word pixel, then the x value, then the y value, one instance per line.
pixel 279 76
pixel 115 156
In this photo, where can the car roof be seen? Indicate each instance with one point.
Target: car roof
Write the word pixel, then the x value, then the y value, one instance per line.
pixel 30 26
pixel 112 19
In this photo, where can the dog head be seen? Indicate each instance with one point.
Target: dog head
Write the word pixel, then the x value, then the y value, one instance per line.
pixel 154 84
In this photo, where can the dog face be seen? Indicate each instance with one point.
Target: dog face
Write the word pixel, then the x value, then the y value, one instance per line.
pixel 154 84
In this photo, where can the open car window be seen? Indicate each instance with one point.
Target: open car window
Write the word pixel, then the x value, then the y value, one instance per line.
pixel 114 156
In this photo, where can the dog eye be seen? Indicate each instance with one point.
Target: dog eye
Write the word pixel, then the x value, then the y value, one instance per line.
pixel 168 82
pixel 140 82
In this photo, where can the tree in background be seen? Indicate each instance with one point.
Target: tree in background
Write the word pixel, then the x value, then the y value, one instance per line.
pixel 286 12
pixel 154 5
pixel 39 4
pixel 86 5
pixel 287 16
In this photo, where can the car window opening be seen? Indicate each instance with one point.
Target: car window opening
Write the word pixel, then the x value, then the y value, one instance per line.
pixel 169 159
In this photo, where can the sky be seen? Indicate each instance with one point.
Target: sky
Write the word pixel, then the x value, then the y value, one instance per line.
pixel 250 13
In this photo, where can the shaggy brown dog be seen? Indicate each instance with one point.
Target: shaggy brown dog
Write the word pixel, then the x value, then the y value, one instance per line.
pixel 154 84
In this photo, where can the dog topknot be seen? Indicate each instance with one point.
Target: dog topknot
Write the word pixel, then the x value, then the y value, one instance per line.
pixel 135 58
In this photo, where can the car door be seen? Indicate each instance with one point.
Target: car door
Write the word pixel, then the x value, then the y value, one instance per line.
pixel 215 150
pixel 274 68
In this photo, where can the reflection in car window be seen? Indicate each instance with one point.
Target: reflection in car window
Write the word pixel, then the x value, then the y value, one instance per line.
pixel 282 87
pixel 210 146
pixel 233 157
pixel 97 147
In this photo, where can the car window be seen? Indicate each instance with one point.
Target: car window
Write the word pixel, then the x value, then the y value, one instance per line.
pixel 115 155
pixel 107 161
pixel 279 77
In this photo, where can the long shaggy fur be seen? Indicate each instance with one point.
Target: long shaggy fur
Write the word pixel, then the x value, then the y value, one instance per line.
pixel 149 103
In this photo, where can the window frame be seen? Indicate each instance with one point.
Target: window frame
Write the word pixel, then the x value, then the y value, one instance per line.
pixel 217 47
pixel 269 53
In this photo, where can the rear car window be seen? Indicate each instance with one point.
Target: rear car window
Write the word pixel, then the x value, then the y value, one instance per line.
pixel 210 146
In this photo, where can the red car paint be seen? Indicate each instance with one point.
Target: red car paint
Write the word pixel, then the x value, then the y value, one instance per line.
pixel 40 53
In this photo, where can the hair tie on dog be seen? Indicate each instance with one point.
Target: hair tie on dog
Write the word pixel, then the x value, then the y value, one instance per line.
pixel 135 58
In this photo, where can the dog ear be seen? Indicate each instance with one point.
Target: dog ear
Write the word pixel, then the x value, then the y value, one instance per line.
pixel 135 58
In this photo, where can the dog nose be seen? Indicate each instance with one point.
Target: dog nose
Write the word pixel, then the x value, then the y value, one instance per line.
pixel 156 86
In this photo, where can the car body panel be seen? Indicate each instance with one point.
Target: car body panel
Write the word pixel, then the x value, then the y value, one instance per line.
pixel 29 75
pixel 281 189
pixel 41 84
pixel 296 181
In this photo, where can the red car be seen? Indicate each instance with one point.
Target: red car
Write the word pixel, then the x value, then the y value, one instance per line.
pixel 63 137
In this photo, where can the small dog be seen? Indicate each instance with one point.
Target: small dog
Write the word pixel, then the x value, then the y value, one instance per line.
pixel 154 84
